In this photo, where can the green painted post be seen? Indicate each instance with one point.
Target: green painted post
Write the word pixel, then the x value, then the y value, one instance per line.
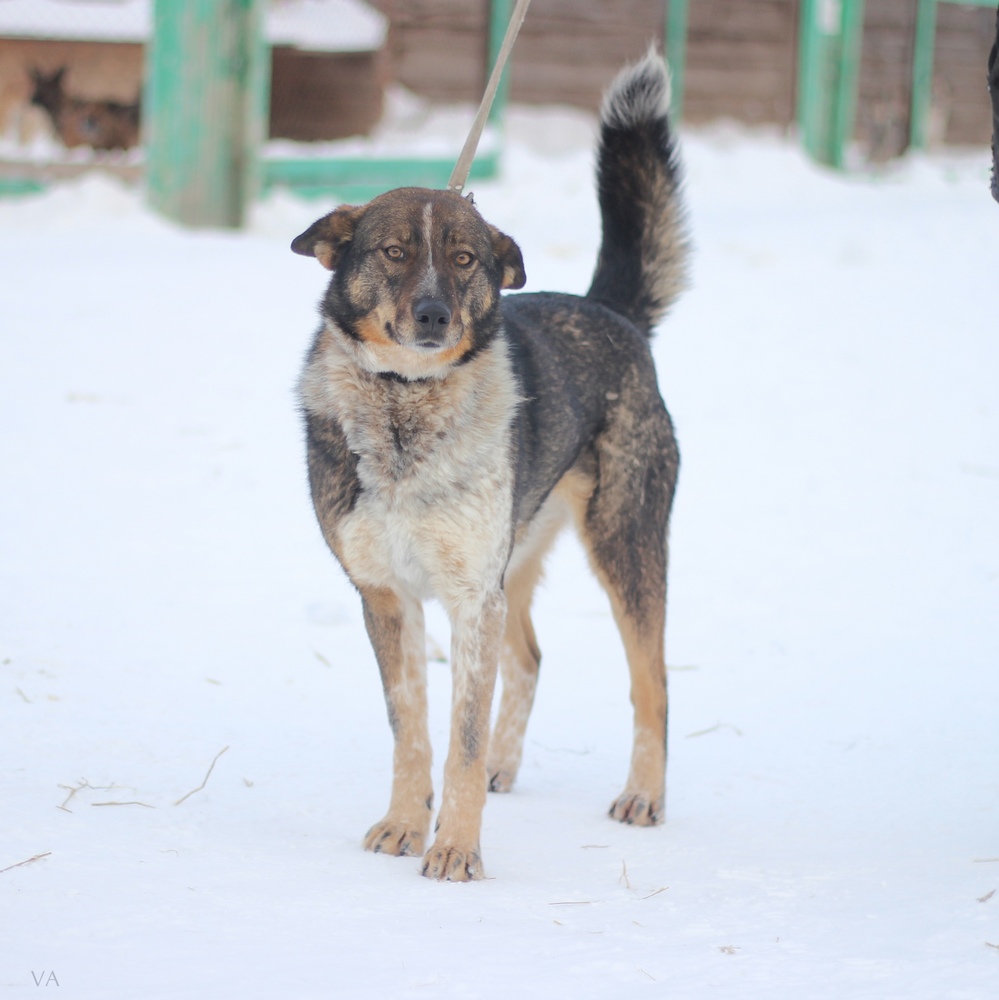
pixel 677 17
pixel 851 36
pixel 828 73
pixel 500 12
pixel 922 72
pixel 204 109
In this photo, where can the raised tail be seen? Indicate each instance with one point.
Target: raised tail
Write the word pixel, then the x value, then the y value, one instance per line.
pixel 642 264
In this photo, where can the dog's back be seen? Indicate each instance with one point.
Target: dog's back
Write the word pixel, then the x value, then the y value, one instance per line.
pixel 573 353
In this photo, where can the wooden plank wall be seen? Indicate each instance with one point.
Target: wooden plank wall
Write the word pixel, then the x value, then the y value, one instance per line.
pixel 740 58
pixel 882 124
pixel 323 95
pixel 566 52
pixel 961 106
pixel 960 110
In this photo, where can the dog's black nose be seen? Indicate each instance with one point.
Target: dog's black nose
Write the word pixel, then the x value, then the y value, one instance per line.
pixel 433 317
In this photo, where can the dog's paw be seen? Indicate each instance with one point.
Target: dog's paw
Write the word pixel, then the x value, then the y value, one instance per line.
pixel 638 809
pixel 398 838
pixel 453 864
pixel 501 779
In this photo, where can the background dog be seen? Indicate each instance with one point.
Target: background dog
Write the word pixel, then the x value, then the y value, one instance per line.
pixel 104 125
pixel 451 433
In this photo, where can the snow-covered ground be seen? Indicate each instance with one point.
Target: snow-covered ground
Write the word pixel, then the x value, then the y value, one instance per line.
pixel 833 786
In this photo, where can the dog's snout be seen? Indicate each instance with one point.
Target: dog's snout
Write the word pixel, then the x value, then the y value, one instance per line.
pixel 432 316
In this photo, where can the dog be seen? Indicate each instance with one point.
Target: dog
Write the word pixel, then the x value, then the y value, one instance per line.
pixel 452 431
pixel 102 125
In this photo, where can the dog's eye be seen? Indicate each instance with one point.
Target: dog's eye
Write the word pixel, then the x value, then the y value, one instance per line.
pixel 463 259
pixel 394 253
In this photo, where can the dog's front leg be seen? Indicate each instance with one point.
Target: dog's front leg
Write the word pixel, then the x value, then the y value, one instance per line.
pixel 477 632
pixel 395 626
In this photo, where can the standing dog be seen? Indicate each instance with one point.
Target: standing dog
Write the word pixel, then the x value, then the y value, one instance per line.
pixel 452 432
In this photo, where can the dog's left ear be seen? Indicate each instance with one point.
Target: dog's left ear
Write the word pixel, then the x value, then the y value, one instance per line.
pixel 327 238
pixel 509 257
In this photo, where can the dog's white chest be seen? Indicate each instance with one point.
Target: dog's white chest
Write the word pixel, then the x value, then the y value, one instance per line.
pixel 444 522
pixel 433 514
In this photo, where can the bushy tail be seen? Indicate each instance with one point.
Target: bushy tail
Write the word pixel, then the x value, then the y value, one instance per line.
pixel 642 265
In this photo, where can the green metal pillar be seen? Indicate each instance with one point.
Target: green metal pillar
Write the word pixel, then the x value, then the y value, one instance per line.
pixel 922 72
pixel 677 16
pixel 205 109
pixel 829 70
pixel 500 12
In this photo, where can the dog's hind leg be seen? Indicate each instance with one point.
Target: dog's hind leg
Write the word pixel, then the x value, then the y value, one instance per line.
pixel 519 668
pixel 395 626
pixel 624 527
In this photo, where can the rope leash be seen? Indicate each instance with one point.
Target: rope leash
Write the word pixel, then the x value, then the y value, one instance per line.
pixel 460 173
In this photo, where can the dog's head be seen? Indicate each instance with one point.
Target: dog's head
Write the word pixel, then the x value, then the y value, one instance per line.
pixel 417 276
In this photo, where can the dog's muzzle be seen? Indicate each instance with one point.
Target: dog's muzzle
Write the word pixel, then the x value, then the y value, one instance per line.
pixel 432 319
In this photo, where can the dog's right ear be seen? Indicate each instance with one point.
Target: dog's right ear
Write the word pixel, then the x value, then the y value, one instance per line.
pixel 327 238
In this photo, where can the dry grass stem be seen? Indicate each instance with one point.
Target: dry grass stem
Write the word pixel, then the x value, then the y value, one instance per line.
pixel 37 857
pixel 572 902
pixel 144 804
pixel 714 729
pixel 322 659
pixel 23 695
pixel 73 789
pixel 623 877
pixel 653 978
pixel 211 767
pixel 656 893
pixel 986 897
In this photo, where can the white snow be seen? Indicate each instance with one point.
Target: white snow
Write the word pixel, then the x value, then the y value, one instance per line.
pixel 833 828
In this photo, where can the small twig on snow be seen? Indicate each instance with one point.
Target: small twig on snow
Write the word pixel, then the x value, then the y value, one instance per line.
pixel 211 767
pixel 714 729
pixel 656 893
pixel 37 857
pixel 73 789
pixel 145 804
pixel 624 875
